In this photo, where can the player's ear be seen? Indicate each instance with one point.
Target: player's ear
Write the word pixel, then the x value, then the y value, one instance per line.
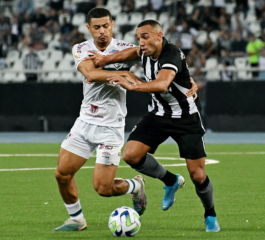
pixel 88 27
pixel 160 35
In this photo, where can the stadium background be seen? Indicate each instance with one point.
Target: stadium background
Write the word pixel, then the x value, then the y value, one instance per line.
pixel 52 102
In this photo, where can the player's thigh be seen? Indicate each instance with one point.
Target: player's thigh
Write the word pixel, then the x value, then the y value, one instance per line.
pixel 76 141
pixel 69 163
pixel 149 131
pixel 194 165
pixel 191 146
pixel 104 176
pixel 110 142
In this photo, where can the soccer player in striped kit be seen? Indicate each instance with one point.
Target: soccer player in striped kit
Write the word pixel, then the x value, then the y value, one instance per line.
pixel 171 114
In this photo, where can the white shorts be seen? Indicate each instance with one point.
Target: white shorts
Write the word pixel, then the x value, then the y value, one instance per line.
pixel 85 138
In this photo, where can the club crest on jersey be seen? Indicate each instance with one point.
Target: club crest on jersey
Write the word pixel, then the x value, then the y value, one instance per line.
pixel 118 65
pixel 93 108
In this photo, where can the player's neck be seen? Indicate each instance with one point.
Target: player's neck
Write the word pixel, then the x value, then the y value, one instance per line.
pixel 102 47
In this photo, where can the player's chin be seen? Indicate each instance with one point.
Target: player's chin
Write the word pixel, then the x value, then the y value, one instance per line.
pixel 147 53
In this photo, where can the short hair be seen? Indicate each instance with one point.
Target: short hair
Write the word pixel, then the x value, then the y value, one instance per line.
pixel 150 22
pixel 98 12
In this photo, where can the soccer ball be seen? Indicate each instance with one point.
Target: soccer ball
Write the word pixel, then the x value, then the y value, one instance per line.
pixel 124 222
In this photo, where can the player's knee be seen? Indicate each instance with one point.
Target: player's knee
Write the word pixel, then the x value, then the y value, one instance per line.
pixel 197 176
pixel 130 157
pixel 62 179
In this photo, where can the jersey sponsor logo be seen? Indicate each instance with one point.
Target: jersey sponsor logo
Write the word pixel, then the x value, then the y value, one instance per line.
pixel 125 44
pixel 103 146
pixel 93 108
pixel 113 51
pixel 95 116
pixel 79 47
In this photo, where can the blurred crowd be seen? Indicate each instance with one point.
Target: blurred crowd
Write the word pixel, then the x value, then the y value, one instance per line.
pixel 224 30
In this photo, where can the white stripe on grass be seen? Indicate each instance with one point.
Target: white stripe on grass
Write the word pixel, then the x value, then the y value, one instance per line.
pixel 208 161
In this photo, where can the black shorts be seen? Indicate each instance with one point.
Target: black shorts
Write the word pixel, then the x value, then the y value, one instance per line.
pixel 187 131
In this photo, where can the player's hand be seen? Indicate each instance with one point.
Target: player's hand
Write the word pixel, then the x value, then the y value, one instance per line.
pixel 120 80
pixel 193 90
pixel 98 59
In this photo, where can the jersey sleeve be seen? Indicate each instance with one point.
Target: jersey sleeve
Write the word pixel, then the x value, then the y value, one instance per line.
pixel 172 60
pixel 80 52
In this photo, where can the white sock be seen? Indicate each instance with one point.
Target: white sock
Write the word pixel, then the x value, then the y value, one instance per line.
pixel 134 185
pixel 74 210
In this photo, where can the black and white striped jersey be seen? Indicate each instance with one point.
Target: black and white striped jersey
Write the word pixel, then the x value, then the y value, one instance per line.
pixel 173 103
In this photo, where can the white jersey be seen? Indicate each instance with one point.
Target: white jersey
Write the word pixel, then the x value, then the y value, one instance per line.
pixel 103 104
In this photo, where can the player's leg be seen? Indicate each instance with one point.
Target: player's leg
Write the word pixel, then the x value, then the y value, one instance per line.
pixel 68 164
pixel 192 148
pixel 107 162
pixel 74 152
pixel 204 190
pixel 135 154
pixel 107 185
pixel 147 135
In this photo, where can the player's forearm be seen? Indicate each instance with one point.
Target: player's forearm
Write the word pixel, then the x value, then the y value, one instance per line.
pixel 151 87
pixel 100 75
pixel 129 54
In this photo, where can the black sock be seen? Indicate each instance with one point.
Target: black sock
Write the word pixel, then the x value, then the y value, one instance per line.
pixel 169 179
pixel 203 185
pixel 210 212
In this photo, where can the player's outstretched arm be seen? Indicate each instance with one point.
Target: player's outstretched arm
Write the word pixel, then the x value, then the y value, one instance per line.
pixel 131 78
pixel 92 74
pixel 159 85
pixel 129 54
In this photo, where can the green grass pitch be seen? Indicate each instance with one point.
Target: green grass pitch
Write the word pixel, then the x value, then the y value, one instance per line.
pixel 30 204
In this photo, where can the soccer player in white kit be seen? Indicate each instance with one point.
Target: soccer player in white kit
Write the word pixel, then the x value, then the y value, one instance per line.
pixel 100 126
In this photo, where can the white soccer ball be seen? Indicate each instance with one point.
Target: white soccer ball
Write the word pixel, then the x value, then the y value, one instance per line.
pixel 124 222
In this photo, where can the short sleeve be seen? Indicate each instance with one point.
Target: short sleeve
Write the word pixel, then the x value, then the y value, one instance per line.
pixel 172 60
pixel 80 52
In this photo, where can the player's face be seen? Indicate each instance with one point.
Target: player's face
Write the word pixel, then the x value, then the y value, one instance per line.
pixel 101 30
pixel 150 41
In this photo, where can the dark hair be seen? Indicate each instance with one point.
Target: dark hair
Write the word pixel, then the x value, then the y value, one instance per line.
pixel 98 12
pixel 150 22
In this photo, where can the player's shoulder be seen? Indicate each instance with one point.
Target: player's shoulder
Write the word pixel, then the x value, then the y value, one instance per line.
pixel 122 44
pixel 83 46
pixel 171 47
pixel 170 51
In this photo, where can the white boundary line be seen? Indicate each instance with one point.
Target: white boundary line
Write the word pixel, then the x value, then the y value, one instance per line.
pixel 208 161
pixel 168 158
